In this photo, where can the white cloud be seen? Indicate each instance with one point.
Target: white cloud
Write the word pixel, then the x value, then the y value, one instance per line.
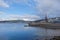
pixel 3 4
pixel 48 6
pixel 28 17
pixel 22 17
pixel 43 6
pixel 1 12
pixel 51 7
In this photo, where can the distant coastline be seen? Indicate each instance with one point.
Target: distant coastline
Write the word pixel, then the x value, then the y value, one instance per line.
pixel 41 20
pixel 14 21
pixel 11 21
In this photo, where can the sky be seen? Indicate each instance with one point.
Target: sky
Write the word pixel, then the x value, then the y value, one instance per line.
pixel 28 9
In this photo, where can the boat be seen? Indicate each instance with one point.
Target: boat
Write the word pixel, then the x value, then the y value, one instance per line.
pixel 46 24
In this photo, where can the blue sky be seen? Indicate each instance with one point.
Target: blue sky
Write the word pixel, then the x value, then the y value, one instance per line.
pixel 28 9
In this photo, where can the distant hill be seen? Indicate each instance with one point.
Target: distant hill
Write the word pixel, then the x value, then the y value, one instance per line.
pixel 14 21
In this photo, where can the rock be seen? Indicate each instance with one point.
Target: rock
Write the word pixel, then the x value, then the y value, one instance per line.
pixel 55 38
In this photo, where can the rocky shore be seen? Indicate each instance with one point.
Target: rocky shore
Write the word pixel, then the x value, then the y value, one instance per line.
pixel 55 38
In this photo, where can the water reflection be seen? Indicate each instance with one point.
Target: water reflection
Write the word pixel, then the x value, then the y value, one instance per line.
pixel 17 31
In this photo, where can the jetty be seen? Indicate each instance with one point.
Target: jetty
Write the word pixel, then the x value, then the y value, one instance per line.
pixel 53 23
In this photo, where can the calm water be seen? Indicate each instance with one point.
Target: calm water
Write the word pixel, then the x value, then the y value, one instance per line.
pixel 17 31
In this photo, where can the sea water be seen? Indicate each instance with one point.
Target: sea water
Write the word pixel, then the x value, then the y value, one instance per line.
pixel 19 31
